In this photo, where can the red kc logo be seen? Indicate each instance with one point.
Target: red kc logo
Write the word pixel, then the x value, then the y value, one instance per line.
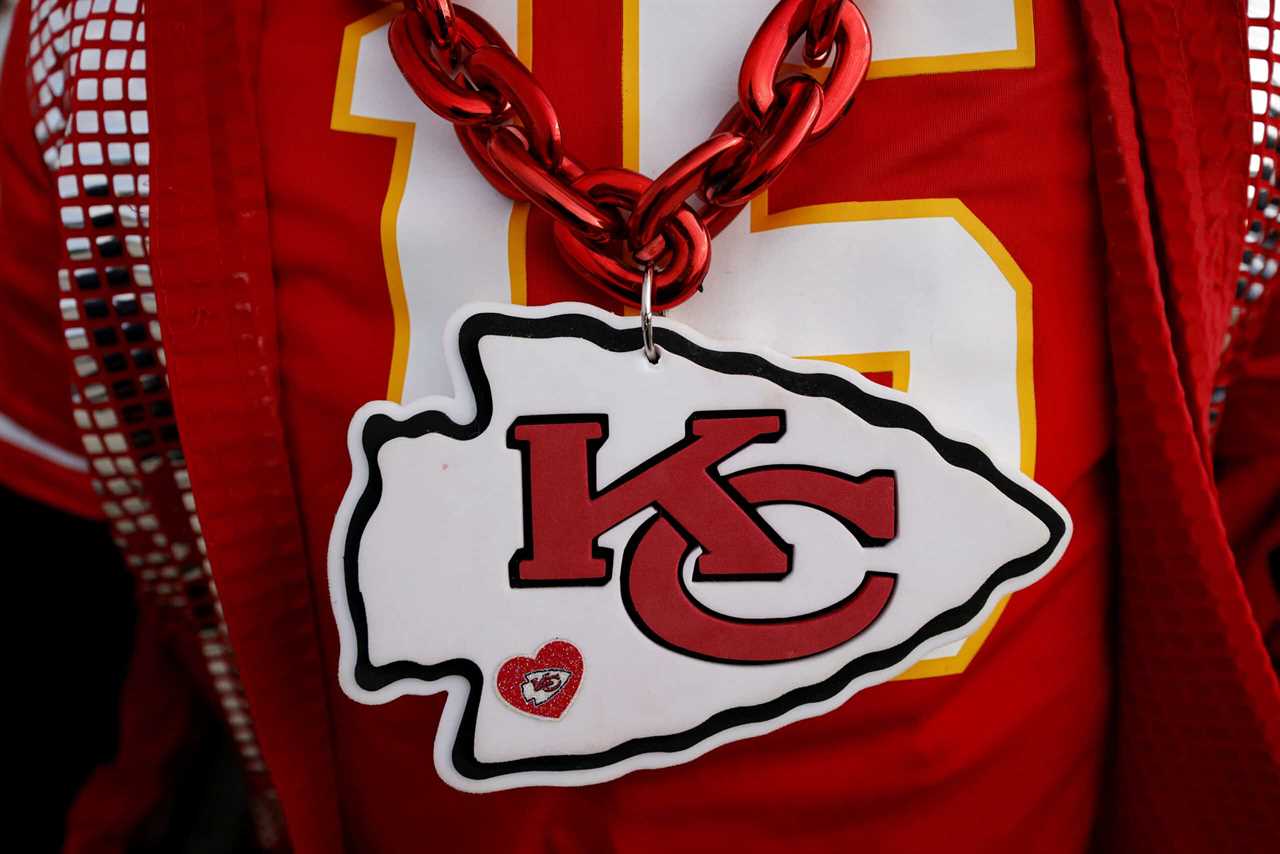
pixel 565 514
pixel 547 682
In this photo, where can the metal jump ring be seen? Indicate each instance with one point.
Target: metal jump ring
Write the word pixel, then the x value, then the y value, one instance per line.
pixel 646 316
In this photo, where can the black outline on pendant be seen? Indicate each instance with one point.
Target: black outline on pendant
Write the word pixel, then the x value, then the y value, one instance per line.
pixel 876 411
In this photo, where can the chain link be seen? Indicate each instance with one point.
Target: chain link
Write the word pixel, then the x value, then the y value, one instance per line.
pixel 681 261
pixel 438 16
pixel 613 224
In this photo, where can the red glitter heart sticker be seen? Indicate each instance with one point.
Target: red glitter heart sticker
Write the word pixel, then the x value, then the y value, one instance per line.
pixel 544 685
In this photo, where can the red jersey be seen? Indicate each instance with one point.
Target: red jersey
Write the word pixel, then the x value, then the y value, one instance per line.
pixel 925 238
pixel 945 239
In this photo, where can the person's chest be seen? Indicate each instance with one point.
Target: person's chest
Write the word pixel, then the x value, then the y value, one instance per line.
pixel 943 239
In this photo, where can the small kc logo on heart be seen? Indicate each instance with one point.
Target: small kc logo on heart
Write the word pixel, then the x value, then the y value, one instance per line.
pixel 544 685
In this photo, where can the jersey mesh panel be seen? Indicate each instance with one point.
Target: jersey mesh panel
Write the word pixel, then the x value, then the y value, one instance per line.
pixel 86 76
pixel 1254 286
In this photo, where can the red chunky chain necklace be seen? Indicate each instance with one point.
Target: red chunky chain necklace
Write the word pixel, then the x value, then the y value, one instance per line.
pixel 611 225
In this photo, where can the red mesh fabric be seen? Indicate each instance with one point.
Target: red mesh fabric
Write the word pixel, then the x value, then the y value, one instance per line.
pixel 1185 66
pixel 1243 406
pixel 40 452
pixel 1248 473
pixel 1197 745
pixel 86 80
pixel 1260 259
